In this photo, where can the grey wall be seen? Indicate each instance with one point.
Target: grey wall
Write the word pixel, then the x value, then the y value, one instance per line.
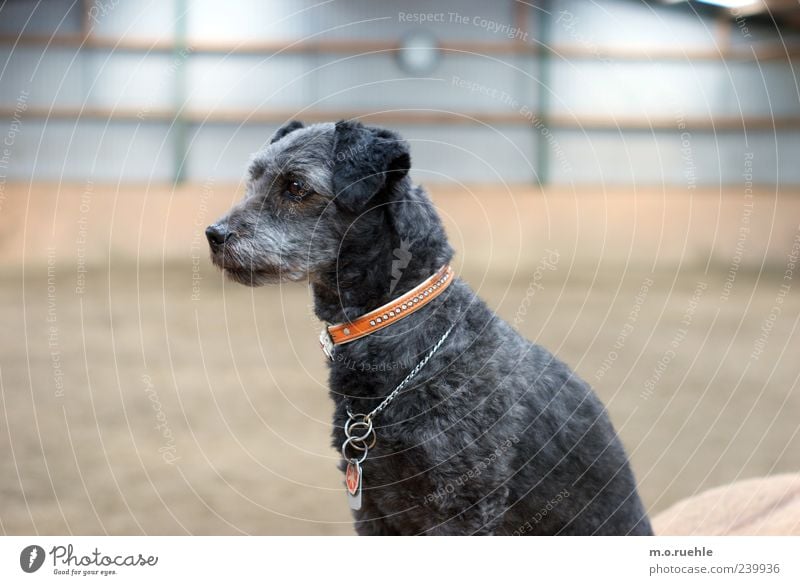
pixel 577 87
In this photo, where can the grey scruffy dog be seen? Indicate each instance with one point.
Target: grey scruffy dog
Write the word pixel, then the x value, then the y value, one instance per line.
pixel 495 435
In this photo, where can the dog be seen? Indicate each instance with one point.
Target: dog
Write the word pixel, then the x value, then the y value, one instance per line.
pixel 449 421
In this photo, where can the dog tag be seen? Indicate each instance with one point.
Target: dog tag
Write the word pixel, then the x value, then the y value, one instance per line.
pixel 352 481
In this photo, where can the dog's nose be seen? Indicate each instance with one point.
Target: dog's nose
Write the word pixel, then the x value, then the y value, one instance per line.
pixel 217 235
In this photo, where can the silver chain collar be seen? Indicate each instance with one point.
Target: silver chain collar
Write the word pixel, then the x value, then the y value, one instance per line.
pixel 367 438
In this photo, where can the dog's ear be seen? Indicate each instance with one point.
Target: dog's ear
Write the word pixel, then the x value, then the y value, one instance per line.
pixel 365 161
pixel 287 128
pixel 414 217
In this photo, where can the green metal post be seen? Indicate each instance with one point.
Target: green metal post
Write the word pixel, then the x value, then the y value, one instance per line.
pixel 544 22
pixel 180 54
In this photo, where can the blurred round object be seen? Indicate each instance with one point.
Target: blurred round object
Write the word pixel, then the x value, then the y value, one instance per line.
pixel 419 53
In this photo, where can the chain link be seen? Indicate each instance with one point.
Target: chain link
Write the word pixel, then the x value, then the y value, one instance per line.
pixel 386 401
pixel 361 443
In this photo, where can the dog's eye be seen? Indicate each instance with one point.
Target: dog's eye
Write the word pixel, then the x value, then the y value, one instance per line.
pixel 297 188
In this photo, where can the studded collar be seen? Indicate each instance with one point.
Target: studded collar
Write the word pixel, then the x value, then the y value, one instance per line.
pixel 391 312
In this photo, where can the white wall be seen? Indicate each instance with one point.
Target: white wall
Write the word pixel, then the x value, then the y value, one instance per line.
pixel 579 87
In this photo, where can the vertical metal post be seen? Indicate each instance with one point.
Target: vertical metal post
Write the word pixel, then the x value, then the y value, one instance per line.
pixel 179 126
pixel 544 22
pixel 86 26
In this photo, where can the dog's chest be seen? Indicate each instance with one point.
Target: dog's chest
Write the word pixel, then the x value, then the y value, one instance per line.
pixel 397 457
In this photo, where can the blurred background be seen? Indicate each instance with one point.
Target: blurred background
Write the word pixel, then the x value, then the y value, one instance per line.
pixel 620 179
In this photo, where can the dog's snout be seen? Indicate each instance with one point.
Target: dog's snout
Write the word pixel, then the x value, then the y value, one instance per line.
pixel 217 235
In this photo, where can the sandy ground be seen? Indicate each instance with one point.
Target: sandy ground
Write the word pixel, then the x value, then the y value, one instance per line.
pixel 153 403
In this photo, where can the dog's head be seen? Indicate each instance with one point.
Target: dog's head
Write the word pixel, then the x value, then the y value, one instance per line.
pixel 304 189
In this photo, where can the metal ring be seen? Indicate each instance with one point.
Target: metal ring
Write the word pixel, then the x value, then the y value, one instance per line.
pixel 353 416
pixel 356 459
pixel 368 430
pixel 360 445
pixel 362 442
pixel 351 424
pixel 374 440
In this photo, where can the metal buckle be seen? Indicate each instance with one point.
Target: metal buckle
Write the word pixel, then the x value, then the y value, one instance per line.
pixel 326 342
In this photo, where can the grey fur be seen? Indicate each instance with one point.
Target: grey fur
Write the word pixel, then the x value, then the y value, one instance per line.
pixel 495 435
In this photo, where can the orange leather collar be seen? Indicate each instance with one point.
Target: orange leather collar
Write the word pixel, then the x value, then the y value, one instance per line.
pixel 391 312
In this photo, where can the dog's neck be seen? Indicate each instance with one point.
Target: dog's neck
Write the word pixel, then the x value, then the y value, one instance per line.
pixel 376 264
pixel 381 273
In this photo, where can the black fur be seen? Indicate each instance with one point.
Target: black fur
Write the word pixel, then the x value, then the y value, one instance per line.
pixel 495 435
pixel 285 129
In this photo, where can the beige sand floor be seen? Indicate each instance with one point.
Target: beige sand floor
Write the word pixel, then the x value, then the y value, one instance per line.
pixel 236 383
pixel 131 408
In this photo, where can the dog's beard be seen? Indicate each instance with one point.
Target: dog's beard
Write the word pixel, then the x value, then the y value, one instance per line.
pixel 262 276
pixel 242 270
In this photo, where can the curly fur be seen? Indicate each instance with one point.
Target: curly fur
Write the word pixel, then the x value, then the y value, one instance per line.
pixel 495 435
